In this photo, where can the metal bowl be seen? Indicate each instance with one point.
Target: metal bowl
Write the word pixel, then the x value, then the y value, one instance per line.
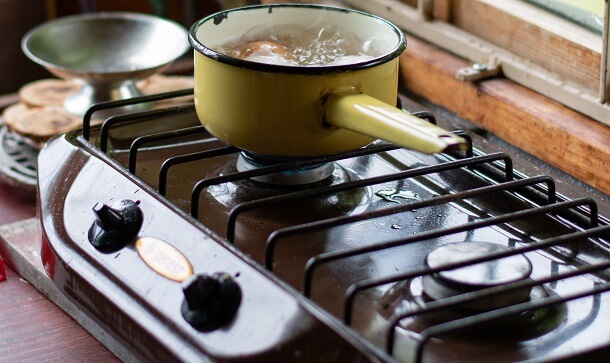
pixel 106 52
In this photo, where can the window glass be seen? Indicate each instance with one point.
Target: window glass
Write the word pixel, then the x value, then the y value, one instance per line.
pixel 586 13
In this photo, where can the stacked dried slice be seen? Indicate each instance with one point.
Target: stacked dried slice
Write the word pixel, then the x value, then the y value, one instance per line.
pixel 40 114
pixel 47 92
pixel 39 123
pixel 161 83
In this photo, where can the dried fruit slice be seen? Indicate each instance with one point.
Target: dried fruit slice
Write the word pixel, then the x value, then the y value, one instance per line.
pixel 40 123
pixel 47 92
pixel 162 83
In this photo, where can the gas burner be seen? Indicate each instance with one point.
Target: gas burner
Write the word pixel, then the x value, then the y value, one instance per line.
pixel 219 200
pixel 301 176
pixel 419 292
pixel 17 159
pixel 478 276
pixel 409 296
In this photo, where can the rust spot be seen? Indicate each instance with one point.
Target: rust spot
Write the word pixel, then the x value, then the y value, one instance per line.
pixel 60 88
pixel 60 121
pixel 219 18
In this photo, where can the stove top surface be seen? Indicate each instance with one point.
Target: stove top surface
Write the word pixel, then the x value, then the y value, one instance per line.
pixel 391 254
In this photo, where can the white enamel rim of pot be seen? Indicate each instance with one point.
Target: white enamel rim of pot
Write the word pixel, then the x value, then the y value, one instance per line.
pixel 209 33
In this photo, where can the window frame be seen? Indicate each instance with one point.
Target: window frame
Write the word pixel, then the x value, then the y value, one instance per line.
pixel 434 22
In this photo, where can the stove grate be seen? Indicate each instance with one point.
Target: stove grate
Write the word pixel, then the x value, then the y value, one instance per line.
pixel 486 317
pixel 538 192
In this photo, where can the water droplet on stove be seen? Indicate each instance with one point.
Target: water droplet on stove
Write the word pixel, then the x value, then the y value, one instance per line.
pixel 396 226
pixel 394 195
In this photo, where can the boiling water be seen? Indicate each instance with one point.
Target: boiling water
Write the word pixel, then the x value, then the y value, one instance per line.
pixel 300 46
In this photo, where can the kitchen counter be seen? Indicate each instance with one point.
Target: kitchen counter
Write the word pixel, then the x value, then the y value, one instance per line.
pixel 32 327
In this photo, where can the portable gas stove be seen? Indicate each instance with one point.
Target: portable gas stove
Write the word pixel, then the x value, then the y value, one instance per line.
pixel 186 249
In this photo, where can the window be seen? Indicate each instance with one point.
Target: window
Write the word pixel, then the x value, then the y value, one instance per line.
pixel 551 46
pixel 588 14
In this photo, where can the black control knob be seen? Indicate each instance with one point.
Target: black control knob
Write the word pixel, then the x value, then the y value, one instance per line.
pixel 115 225
pixel 210 301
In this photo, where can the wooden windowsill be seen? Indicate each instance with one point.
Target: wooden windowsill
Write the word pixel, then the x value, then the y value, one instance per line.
pixel 552 132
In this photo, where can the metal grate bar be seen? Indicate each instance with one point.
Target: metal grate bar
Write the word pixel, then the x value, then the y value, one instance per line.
pixel 131 101
pixel 497 290
pixel 202 184
pixel 497 314
pixel 370 283
pixel 167 135
pixel 496 172
pixel 486 317
pixel 333 222
pixel 246 206
pixel 315 261
pixel 426 115
pixel 187 158
pixel 466 136
pixel 138 116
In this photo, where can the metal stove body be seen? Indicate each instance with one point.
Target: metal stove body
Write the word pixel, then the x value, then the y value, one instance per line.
pixel 183 250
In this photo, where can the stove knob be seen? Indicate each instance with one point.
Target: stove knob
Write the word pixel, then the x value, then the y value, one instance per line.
pixel 115 225
pixel 210 301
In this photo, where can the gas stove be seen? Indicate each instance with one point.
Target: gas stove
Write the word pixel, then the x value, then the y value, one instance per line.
pixel 183 248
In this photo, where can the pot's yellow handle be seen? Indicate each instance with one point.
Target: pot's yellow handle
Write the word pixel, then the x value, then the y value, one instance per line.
pixel 369 116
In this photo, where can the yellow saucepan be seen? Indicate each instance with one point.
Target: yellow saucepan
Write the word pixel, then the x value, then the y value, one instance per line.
pixel 304 111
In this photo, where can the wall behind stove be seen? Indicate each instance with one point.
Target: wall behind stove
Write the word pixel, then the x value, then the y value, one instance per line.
pixel 16 18
pixel 19 16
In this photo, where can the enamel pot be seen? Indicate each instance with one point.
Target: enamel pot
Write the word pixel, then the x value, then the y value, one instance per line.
pixel 304 111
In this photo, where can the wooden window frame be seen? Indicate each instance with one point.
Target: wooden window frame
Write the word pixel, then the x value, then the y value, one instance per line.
pixel 539 50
